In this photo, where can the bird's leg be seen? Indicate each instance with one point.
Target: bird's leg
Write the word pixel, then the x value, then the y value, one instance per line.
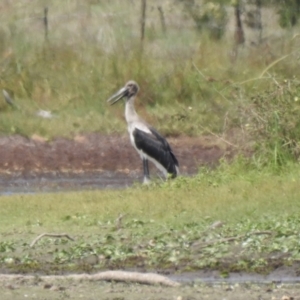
pixel 146 171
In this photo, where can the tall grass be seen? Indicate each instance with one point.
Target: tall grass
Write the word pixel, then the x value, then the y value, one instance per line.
pixel 190 84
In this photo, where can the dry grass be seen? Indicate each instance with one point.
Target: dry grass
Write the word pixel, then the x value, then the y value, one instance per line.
pixel 93 48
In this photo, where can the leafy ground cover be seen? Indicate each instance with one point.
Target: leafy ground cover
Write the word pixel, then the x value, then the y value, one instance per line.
pixel 226 220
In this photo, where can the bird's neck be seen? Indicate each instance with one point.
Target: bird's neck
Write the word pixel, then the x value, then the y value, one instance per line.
pixel 130 113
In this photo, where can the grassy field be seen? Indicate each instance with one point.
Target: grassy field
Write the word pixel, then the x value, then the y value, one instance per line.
pixel 190 85
pixel 226 219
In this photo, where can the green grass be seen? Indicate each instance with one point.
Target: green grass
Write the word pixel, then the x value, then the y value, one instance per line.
pixel 227 195
pixel 190 85
pixel 162 226
pixel 93 50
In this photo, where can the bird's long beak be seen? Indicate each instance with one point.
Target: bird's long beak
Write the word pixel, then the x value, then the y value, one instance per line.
pixel 118 96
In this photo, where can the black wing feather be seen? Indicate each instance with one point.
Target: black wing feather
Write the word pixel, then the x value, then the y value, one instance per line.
pixel 166 144
pixel 154 145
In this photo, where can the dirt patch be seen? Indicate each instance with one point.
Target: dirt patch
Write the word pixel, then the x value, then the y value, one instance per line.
pixel 66 289
pixel 97 153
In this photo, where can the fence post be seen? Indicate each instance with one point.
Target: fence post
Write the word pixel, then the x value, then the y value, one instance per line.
pixel 258 18
pixel 239 36
pixel 162 19
pixel 45 19
pixel 143 21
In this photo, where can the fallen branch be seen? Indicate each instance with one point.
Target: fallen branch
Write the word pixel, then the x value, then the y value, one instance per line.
pixel 119 276
pixel 229 239
pixel 50 235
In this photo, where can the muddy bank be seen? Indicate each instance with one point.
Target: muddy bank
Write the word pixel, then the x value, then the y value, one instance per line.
pixel 96 153
pixel 93 161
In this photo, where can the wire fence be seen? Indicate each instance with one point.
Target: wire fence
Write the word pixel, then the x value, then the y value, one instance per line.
pixel 105 22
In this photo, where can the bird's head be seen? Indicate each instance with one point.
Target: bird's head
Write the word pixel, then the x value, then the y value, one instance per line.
pixel 130 89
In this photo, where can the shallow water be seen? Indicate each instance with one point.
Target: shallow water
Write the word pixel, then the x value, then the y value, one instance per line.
pixel 51 183
pixel 214 277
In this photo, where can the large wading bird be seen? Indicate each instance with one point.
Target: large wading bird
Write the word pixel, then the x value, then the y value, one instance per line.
pixel 144 138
